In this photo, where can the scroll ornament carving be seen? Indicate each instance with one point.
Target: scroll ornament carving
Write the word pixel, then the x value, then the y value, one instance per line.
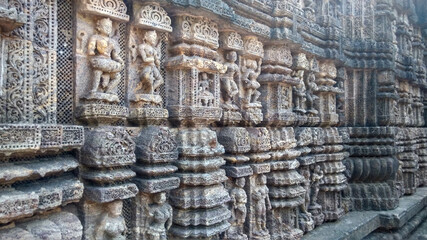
pixel 153 17
pixel 232 41
pixel 253 47
pixel 200 29
pixel 115 9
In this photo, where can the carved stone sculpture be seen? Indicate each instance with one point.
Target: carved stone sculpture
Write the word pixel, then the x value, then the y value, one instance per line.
pixel 238 211
pixel 150 77
pixel 160 214
pixel 111 224
pixel 228 81
pixel 261 203
pixel 106 63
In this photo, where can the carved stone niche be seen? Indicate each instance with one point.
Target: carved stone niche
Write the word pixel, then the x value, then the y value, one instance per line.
pixel 148 36
pixel 99 72
pixel 250 66
pixel 327 93
pixel 231 44
pixel 193 82
pixel 276 85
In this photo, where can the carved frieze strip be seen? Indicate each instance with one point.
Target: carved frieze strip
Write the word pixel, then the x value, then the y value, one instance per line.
pixel 29 139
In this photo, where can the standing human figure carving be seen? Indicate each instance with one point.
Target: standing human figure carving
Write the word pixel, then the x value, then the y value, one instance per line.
pixel 228 85
pixel 112 224
pixel 299 92
pixel 105 59
pixel 160 218
pixel 261 204
pixel 238 211
pixel 310 96
pixel 251 70
pixel 150 77
pixel 316 180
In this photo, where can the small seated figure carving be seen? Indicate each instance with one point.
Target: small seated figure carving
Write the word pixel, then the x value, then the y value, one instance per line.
pixel 160 215
pixel 206 98
pixel 106 62
pixel 251 70
pixel 151 79
pixel 112 225
pixel 229 86
pixel 261 204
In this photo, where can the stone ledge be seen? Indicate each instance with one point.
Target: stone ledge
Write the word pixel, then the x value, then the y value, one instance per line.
pixel 357 225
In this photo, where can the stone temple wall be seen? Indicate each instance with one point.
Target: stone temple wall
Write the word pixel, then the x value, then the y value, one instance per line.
pixel 208 119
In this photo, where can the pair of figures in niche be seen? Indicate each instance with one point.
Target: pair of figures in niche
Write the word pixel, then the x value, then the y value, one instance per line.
pixel 112 226
pixel 260 202
pixel 249 94
pixel 104 53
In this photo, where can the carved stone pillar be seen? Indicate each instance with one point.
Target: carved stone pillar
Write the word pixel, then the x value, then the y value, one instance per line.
pixel 371 148
pixel 276 86
pixel 327 94
pixel 334 180
pixel 99 100
pixel 308 144
pixel 406 144
pixel 286 193
pixel 422 156
pixel 156 147
pixel 193 91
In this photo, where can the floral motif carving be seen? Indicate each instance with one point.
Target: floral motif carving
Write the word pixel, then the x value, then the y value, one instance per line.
pixel 153 17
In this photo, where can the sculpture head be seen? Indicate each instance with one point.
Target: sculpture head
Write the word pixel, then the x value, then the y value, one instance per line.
pixel 240 182
pixel 160 198
pixel 262 179
pixel 104 26
pixel 115 208
pixel 150 37
pixel 204 76
pixel 231 57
